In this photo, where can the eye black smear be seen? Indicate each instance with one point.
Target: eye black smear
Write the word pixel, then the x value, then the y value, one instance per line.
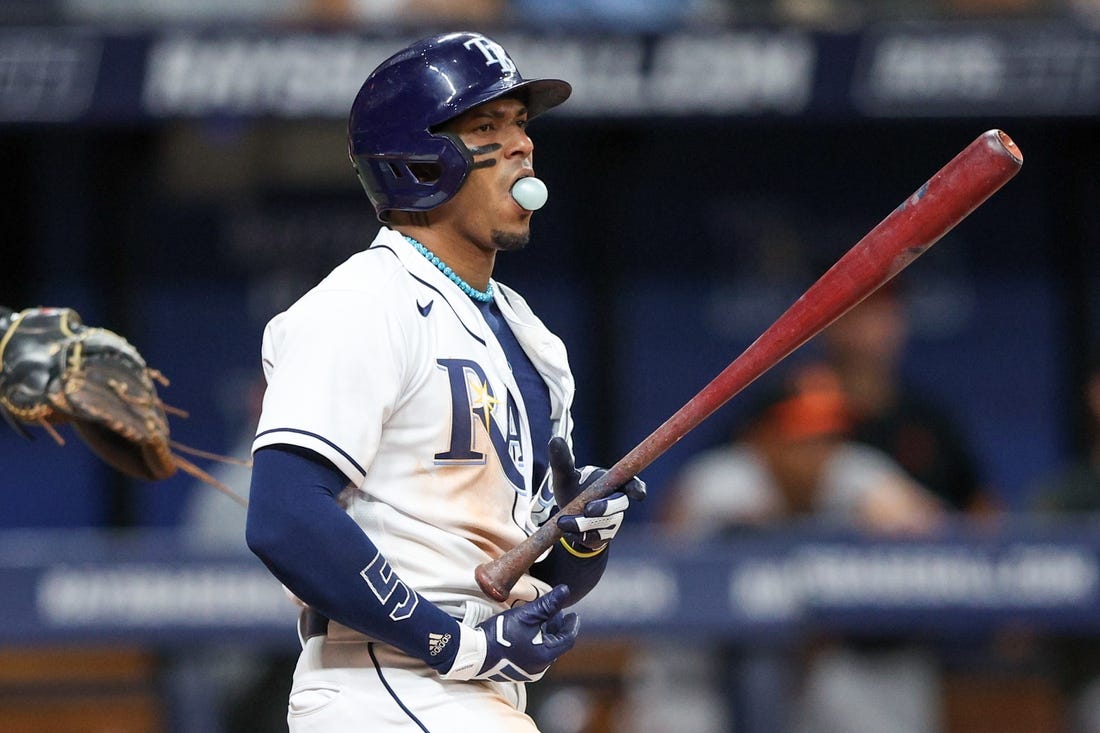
pixel 484 150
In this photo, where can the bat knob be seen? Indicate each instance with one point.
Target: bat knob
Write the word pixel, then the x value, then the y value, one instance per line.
pixel 484 576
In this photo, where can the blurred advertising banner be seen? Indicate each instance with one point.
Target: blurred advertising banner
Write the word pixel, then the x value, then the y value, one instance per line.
pixel 85 75
pixel 155 586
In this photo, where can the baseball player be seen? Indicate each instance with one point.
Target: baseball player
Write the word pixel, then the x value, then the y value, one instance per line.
pixel 416 421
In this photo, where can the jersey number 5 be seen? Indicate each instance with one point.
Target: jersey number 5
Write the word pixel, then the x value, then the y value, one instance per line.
pixel 386 586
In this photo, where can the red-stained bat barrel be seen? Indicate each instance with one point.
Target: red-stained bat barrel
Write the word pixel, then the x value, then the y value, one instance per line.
pixel 920 221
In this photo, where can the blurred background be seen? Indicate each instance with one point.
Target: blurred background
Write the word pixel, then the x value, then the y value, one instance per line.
pixel 177 171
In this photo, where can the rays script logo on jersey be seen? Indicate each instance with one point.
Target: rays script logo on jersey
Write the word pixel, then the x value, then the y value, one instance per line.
pixel 476 414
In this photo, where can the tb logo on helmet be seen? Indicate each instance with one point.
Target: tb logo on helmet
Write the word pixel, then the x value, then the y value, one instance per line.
pixel 494 53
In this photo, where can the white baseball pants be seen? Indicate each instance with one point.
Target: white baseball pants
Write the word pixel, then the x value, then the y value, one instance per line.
pixel 353 686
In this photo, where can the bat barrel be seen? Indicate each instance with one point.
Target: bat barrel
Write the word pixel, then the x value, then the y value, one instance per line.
pixel 958 188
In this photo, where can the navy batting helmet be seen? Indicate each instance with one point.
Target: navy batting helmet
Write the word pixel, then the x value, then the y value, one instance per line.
pixel 401 159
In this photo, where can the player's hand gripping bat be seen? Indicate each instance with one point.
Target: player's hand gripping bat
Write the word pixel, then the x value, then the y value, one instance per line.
pixel 943 201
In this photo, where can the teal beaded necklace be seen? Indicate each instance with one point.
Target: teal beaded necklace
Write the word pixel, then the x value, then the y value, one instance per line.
pixel 484 296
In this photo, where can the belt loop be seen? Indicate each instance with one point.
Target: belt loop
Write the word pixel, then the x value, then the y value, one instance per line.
pixel 311 624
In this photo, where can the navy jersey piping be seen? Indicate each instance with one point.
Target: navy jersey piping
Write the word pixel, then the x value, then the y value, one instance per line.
pixel 321 438
pixel 396 699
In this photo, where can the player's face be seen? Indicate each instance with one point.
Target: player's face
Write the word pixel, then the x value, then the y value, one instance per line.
pixel 483 209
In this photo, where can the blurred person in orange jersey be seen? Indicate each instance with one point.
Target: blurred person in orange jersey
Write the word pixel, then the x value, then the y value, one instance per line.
pixel 792 463
pixel 795 458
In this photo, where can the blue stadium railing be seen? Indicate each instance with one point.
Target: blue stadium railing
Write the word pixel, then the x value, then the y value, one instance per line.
pixel 161 588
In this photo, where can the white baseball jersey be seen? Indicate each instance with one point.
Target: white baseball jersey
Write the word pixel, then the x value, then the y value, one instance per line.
pixel 390 372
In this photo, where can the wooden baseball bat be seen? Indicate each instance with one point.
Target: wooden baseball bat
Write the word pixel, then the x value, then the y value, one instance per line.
pixel 934 209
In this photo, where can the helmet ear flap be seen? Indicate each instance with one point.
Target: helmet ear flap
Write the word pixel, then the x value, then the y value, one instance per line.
pixel 393 180
pixel 429 172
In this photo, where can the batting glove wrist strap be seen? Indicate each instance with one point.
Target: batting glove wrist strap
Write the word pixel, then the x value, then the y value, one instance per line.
pixel 580 551
pixel 518 645
pixel 470 657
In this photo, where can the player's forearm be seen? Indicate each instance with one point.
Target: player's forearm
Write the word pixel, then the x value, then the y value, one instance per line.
pixel 311 545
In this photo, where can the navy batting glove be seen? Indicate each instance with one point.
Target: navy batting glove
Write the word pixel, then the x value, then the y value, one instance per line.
pixel 600 522
pixel 517 645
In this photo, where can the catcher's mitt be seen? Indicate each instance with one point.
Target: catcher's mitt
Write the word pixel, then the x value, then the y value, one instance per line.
pixel 54 369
